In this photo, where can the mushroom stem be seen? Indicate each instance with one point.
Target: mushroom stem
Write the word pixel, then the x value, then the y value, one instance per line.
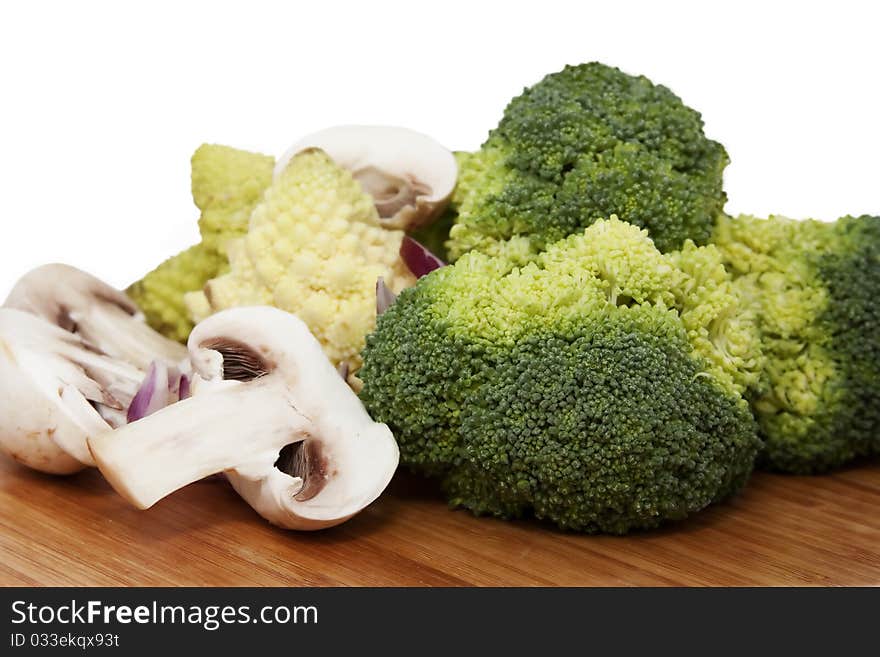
pixel 226 427
pixel 409 175
pixel 390 193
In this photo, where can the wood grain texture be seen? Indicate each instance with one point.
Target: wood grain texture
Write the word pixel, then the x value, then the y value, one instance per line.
pixel 780 531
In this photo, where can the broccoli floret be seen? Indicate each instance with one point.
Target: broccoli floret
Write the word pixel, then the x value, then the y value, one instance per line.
pixel 584 143
pixel 226 185
pixel 597 386
pixel 817 288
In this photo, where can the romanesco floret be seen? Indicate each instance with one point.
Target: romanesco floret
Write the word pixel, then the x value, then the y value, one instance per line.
pixel 597 386
pixel 584 143
pixel 226 185
pixel 159 294
pixel 817 289
pixel 315 248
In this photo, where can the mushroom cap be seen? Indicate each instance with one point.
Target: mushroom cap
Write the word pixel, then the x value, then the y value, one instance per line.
pixel 352 456
pixel 47 386
pixel 55 290
pixel 103 316
pixel 409 175
pixel 268 409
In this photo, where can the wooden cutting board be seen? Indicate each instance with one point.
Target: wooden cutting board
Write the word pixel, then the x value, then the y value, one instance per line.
pixel 780 530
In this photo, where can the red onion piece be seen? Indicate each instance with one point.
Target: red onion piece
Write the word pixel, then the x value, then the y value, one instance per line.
pixel 419 260
pixel 384 296
pixel 153 393
pixel 174 383
pixel 183 390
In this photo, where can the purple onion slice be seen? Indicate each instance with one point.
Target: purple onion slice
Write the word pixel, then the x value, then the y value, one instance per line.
pixel 418 258
pixel 183 389
pixel 153 394
pixel 385 298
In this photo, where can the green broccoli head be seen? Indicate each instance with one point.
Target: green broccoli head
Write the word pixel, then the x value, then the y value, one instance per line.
pixel 584 143
pixel 817 287
pixel 597 386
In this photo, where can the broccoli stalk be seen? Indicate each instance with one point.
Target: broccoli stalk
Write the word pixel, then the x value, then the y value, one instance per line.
pixel 598 386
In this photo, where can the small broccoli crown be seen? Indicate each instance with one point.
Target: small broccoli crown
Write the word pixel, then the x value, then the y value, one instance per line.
pixel 585 143
pixel 817 287
pixel 569 387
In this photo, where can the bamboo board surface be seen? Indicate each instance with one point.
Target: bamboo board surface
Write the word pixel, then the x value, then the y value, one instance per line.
pixel 780 531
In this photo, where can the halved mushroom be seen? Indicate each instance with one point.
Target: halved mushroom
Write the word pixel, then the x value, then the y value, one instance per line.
pixel 51 386
pixel 268 409
pixel 73 353
pixel 409 175
pixel 100 314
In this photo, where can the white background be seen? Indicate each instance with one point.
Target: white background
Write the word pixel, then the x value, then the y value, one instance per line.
pixel 102 104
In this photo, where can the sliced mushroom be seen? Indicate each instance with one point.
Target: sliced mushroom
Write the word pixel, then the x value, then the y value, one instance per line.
pixel 269 410
pixel 409 175
pixel 100 314
pixel 74 353
pixel 52 385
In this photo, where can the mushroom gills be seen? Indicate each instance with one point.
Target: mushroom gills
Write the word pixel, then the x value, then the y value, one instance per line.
pixel 239 361
pixel 304 460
